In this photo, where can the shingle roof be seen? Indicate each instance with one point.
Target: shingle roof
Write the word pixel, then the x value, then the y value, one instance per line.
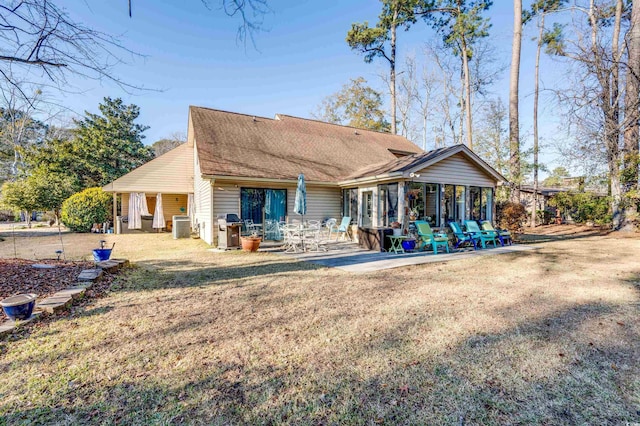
pixel 402 164
pixel 232 144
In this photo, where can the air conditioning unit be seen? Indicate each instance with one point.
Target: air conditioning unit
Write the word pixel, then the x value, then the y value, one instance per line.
pixel 181 227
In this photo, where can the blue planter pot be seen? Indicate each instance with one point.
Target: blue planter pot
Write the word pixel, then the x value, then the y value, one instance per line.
pixel 19 307
pixel 409 245
pixel 100 255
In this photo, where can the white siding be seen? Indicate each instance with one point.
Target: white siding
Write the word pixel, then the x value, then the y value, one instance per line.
pixel 456 170
pixel 202 200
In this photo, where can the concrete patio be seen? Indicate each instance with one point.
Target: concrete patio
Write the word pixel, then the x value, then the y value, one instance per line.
pixel 347 256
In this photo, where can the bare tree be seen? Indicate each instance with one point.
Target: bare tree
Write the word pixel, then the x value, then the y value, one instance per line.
pixel 424 100
pixel 514 124
pixel 406 98
pixel 40 39
pixel 492 143
pixel 632 114
pixel 594 46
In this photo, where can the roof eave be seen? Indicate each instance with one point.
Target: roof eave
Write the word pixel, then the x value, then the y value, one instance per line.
pixel 371 179
pixel 265 180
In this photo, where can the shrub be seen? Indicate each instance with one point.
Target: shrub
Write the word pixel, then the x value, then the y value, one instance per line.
pixel 83 209
pixel 583 207
pixel 511 216
pixel 544 216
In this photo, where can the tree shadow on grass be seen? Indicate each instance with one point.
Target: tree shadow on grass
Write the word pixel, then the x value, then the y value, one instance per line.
pixel 481 379
pixel 531 237
pixel 155 275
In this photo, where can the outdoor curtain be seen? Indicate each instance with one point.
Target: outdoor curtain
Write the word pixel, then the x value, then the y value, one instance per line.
pixel 275 205
pixel 392 198
pixel 158 215
pixel 144 208
pixel 134 213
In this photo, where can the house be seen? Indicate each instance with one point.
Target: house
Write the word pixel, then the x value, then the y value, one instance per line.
pixel 249 166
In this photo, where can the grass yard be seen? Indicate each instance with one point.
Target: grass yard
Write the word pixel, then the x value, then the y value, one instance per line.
pixel 550 336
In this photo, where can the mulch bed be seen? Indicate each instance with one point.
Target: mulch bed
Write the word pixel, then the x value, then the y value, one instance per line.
pixel 18 276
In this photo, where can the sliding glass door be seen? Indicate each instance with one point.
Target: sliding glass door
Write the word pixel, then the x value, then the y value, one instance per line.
pixel 257 204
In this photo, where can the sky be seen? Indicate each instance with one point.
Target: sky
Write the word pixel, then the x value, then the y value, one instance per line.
pixel 192 57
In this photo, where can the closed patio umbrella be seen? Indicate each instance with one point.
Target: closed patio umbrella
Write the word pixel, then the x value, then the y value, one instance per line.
pixel 158 215
pixel 300 205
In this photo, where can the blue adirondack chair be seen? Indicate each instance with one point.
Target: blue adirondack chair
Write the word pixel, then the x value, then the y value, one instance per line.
pixel 504 236
pixel 427 237
pixel 342 229
pixel 485 236
pixel 463 237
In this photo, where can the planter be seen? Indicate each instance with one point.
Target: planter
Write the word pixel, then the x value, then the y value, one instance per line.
pixel 100 255
pixel 397 232
pixel 409 245
pixel 19 307
pixel 250 243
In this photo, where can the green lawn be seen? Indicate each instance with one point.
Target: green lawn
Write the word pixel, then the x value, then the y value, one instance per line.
pixel 550 336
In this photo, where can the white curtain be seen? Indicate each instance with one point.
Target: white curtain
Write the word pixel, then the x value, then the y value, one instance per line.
pixel 144 208
pixel 134 213
pixel 158 215
pixel 191 209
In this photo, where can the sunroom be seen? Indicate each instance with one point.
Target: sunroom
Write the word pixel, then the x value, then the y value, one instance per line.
pixel 445 185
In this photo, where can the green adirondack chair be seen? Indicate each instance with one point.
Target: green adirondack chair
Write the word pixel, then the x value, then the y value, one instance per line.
pixel 427 237
pixel 485 236
pixel 504 236
pixel 463 237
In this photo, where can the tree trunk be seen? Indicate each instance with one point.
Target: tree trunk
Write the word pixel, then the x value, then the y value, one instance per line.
pixel 514 125
pixel 632 115
pixel 536 93
pixel 392 73
pixel 467 92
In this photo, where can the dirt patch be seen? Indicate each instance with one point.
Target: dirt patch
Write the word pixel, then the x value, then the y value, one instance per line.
pixel 19 276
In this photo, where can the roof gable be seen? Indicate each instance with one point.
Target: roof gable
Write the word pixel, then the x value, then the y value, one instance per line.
pixel 170 173
pixel 405 166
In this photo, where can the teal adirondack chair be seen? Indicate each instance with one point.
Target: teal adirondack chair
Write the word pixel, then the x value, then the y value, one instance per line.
pixel 427 237
pixel 343 229
pixel 504 236
pixel 485 236
pixel 463 237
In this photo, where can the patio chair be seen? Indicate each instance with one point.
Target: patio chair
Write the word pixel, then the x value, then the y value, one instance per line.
pixel 292 238
pixel 427 237
pixel 504 236
pixel 272 231
pixel 249 227
pixel 485 236
pixel 342 229
pixel 463 238
pixel 314 241
pixel 313 224
pixel 330 224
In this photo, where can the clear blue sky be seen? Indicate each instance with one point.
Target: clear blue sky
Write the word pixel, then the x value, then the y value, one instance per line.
pixel 193 57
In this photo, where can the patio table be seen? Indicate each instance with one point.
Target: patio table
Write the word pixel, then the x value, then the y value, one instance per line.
pixel 396 242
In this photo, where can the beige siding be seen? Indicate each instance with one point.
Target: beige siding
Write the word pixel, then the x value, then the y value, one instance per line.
pixel 171 173
pixel 456 170
pixel 202 201
pixel 124 205
pixel 171 205
pixel 322 202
